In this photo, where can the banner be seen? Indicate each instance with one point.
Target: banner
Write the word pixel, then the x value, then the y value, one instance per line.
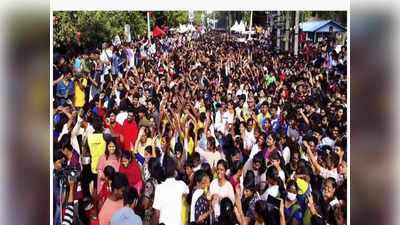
pixel 191 16
pixel 127 33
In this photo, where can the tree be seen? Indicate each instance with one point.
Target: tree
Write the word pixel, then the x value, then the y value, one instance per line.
pixel 95 27
pixel 197 17
pixel 169 18
pixel 337 16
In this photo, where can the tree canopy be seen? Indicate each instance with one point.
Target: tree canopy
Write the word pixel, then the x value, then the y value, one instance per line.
pixel 96 27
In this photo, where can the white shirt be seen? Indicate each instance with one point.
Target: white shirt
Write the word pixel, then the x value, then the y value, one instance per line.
pixel 63 131
pixel 196 195
pixel 259 178
pixel 131 59
pixel 78 130
pixel 211 158
pixel 286 155
pixel 121 117
pixel 219 126
pixel 103 56
pixel 250 140
pixel 254 151
pixel 227 117
pixel 325 173
pixel 328 141
pixel 168 199
pixel 273 191
pixel 225 191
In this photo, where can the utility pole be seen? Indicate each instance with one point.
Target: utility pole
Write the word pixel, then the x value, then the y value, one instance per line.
pixel 251 23
pixel 287 32
pixel 278 33
pixel 148 27
pixel 296 34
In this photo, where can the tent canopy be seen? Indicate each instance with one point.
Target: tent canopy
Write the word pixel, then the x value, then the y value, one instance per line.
pixel 321 26
pixel 240 28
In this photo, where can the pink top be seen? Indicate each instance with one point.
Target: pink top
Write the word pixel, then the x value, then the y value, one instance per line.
pixel 103 162
pixel 107 211
pixel 234 182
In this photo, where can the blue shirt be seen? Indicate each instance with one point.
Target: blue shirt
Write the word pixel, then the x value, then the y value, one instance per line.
pixel 77 64
pixel 125 216
pixel 298 215
pixel 115 64
pixel 62 90
pixel 275 124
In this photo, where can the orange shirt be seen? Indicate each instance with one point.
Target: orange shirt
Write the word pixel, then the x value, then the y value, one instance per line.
pixel 107 211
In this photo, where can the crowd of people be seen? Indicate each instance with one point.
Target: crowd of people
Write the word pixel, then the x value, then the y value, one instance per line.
pixel 200 129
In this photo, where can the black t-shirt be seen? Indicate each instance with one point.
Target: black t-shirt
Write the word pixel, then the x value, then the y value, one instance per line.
pixel 56 74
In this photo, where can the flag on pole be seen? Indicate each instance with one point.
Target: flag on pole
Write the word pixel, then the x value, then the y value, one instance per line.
pixel 191 16
pixel 150 13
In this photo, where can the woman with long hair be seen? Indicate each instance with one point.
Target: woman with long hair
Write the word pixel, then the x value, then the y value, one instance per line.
pixel 143 141
pixel 278 163
pixel 250 196
pixel 131 169
pixel 111 157
pixel 105 190
pixel 271 146
pixel 276 187
pixel 221 187
pixel 293 211
pixel 200 209
pixel 236 174
pixel 258 166
pixel 266 215
pixel 156 176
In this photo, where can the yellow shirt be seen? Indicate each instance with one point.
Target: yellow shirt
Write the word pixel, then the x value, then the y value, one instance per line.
pixel 172 143
pixel 190 146
pixel 200 124
pixel 79 98
pixel 185 211
pixel 142 147
pixel 97 147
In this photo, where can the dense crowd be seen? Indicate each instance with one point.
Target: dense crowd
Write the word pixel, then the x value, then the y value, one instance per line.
pixel 200 129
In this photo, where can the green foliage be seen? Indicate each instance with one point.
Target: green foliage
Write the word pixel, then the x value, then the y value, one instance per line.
pixel 95 27
pixel 338 16
pixel 197 17
pixel 169 18
pixel 174 18
pixel 246 16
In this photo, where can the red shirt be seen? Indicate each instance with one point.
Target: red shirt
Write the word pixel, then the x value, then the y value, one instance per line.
pixel 282 77
pixel 302 37
pixel 132 172
pixel 130 132
pixel 105 192
pixel 234 182
pixel 116 128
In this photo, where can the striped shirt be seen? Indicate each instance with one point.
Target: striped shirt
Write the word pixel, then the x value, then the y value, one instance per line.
pixel 69 214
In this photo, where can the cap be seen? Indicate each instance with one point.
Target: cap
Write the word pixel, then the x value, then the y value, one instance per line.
pixel 302 186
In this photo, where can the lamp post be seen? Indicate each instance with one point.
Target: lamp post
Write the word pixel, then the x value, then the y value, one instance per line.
pixel 296 34
pixel 148 27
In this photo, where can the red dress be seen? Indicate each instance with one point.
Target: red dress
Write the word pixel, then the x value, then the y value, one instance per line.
pixel 130 132
pixel 133 174
pixel 105 192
